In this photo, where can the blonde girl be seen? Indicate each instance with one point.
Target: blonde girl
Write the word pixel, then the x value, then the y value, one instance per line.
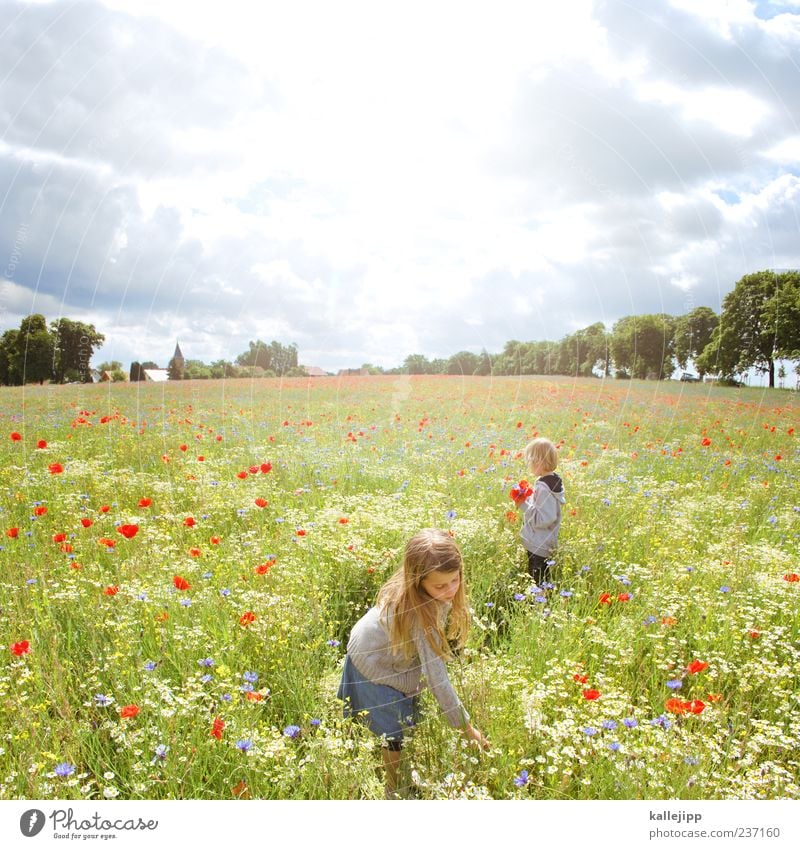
pixel 420 612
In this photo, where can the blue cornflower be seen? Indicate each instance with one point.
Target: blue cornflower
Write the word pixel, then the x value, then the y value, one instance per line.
pixel 247 688
pixel 244 745
pixel 725 589
pixel 291 731
pixel 565 594
pixel 662 720
pixel 64 769
pixel 607 502
pixel 160 752
pixel 226 697
pixel 630 722
pixel 589 731
pixel 489 604
pixel 186 602
pixel 615 747
pixel 772 520
pixel 206 678
pixel 102 700
pixel 31 581
pixel 522 779
pixel 142 597
pixel 451 514
pixel 316 723
pixel 691 760
pixel 651 620
pixel 541 599
pixel 208 575
pixel 252 677
pixel 150 665
pixel 609 724
pixel 519 596
pixel 585 568
pixel 675 684
pixel 224 593
pixel 206 661
pixel 333 643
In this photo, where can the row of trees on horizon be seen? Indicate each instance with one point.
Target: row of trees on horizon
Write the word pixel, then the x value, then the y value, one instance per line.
pixel 759 325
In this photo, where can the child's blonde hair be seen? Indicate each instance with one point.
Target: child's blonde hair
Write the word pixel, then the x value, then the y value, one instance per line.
pixel 541 454
pixel 428 551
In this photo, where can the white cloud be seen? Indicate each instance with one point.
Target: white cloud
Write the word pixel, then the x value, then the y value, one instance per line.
pixel 371 182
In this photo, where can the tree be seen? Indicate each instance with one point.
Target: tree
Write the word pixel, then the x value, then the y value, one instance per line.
pixel 464 362
pixel 10 373
pixel 137 372
pixel 34 349
pixel 692 333
pixel 112 365
pixel 642 346
pixel 416 364
pixel 755 327
pixel 258 354
pixel 74 344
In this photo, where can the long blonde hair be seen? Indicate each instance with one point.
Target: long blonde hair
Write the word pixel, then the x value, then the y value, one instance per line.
pixel 409 606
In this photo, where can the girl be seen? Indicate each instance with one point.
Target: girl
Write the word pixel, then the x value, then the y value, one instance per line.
pixel 408 634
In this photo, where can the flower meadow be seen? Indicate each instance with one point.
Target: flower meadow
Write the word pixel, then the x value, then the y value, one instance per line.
pixel 181 565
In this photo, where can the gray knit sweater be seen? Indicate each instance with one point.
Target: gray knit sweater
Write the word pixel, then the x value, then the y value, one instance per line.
pixel 371 654
pixel 541 515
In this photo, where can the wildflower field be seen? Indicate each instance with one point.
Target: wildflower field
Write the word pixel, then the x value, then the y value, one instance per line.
pixel 181 564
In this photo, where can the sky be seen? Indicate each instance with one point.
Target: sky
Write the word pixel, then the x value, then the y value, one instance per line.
pixel 370 180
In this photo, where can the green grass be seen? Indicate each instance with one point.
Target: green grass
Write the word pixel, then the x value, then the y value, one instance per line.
pixel 682 496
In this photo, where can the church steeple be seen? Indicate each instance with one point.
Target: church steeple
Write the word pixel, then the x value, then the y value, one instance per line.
pixel 177 357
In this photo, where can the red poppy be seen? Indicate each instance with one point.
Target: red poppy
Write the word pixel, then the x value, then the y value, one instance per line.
pixel 105 508
pixel 108 543
pixel 344 520
pixel 20 648
pixel 195 552
pixel 13 533
pixel 55 468
pixel 754 635
pixel 183 447
pixel 39 511
pixel 41 444
pixel 129 711
pixel 241 475
pixel 266 468
pixel 128 531
pixel 301 532
pixel 706 441
pixel 695 706
pixel 715 697
pixel 696 666
pixel 215 540
pixel 189 522
pixel 261 502
pixel 217 728
pixel 180 583
pixel 218 438
pixel 511 516
pixel 247 618
pixel 581 679
pixel 201 459
pixel 669 620
pixel 264 568
pixel 676 706
pixel 16 437
pixel 792 579
pixel 253 696
pixel 87 523
pixel 59 537
pixel 605 598
pixel 110 590
pixel 520 491
pixel 624 597
pixel 591 695
pixel 145 502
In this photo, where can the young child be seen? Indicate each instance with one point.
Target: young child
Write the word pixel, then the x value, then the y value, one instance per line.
pixel 405 636
pixel 541 507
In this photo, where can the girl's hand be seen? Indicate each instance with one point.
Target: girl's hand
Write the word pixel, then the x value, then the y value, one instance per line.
pixel 474 736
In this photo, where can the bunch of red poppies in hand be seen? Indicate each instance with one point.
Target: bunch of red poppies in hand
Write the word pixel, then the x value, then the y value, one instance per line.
pixel 519 492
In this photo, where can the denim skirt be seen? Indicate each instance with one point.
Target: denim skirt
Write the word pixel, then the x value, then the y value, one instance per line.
pixel 387 711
